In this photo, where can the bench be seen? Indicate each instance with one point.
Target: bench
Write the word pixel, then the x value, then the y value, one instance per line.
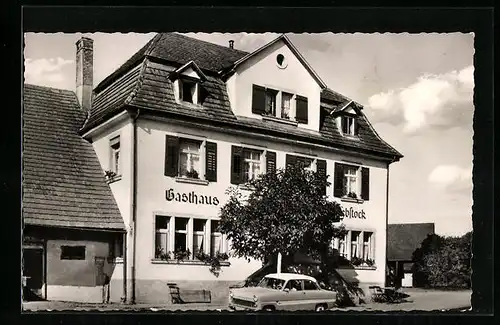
pixel 182 296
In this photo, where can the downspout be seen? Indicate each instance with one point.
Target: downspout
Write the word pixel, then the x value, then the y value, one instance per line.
pixel 134 201
pixel 386 224
pixel 124 250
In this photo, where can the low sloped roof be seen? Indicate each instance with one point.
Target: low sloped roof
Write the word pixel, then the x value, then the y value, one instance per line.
pixel 63 183
pixel 404 238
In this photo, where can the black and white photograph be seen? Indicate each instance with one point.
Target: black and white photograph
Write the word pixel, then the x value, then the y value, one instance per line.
pixel 215 171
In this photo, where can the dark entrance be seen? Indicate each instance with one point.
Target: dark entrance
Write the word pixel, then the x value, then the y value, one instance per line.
pixel 33 272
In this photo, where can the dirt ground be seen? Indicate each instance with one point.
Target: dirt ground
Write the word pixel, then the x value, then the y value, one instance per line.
pixel 419 300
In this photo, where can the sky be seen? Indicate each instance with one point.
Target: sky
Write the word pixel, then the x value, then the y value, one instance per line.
pixel 417 90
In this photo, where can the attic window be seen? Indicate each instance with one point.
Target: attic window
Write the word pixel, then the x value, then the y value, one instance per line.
pixel 281 61
pixel 188 91
pixel 349 125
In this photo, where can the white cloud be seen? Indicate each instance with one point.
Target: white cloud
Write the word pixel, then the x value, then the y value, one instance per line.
pixel 46 72
pixel 441 101
pixel 451 177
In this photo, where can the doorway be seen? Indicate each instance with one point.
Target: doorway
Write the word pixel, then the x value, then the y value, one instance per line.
pixel 33 272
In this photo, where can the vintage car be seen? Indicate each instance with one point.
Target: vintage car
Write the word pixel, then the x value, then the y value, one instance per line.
pixel 284 291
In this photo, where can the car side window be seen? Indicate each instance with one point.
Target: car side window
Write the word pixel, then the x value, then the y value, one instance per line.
pixel 310 285
pixel 295 285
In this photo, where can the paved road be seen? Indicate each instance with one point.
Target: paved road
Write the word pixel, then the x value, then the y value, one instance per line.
pixel 422 300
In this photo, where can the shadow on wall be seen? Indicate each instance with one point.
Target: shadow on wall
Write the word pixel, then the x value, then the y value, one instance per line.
pixel 346 284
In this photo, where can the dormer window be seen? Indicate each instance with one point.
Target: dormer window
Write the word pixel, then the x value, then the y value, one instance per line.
pixel 188 91
pixel 349 125
pixel 187 83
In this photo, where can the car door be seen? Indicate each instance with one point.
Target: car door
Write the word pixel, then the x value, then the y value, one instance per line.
pixel 312 295
pixel 292 297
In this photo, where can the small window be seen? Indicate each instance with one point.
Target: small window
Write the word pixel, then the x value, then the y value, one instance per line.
pixel 188 91
pixel 115 155
pixel 162 237
pixel 72 252
pixel 348 125
pixel 281 61
pixel 342 247
pixel 310 285
pixel 286 100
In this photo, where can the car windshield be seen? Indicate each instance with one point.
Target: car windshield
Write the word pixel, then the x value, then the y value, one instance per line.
pixel 271 283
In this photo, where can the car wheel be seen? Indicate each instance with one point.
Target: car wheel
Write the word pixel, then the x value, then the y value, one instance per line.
pixel 268 308
pixel 320 307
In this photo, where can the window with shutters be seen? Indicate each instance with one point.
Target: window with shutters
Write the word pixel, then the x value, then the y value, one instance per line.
pixel 279 105
pixel 360 251
pixel 351 182
pixel 248 163
pixel 251 164
pixel 191 159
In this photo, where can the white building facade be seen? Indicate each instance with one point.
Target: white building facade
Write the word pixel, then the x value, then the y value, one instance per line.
pixel 174 129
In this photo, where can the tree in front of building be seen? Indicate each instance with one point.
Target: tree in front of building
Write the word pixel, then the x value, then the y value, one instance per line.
pixel 285 212
pixel 444 261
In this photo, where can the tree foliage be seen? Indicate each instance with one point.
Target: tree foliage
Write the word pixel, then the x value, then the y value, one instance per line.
pixel 444 261
pixel 285 212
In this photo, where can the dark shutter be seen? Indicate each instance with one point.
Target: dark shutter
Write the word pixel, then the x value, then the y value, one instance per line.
pixel 321 170
pixel 291 160
pixel 338 180
pixel 171 155
pixel 258 100
pixel 301 111
pixel 211 161
pixel 365 183
pixel 236 165
pixel 270 161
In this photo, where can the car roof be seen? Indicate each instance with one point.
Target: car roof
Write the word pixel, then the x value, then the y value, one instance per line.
pixel 288 276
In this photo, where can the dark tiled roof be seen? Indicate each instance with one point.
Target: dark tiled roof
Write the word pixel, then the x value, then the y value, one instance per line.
pixel 63 184
pixel 332 96
pixel 177 48
pixel 149 87
pixel 404 239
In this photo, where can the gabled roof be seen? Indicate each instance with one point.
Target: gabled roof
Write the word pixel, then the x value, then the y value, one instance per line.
pixel 63 183
pixel 191 64
pixel 405 238
pixel 145 83
pixel 292 48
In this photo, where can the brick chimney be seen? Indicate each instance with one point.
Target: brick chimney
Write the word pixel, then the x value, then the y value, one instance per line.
pixel 84 72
